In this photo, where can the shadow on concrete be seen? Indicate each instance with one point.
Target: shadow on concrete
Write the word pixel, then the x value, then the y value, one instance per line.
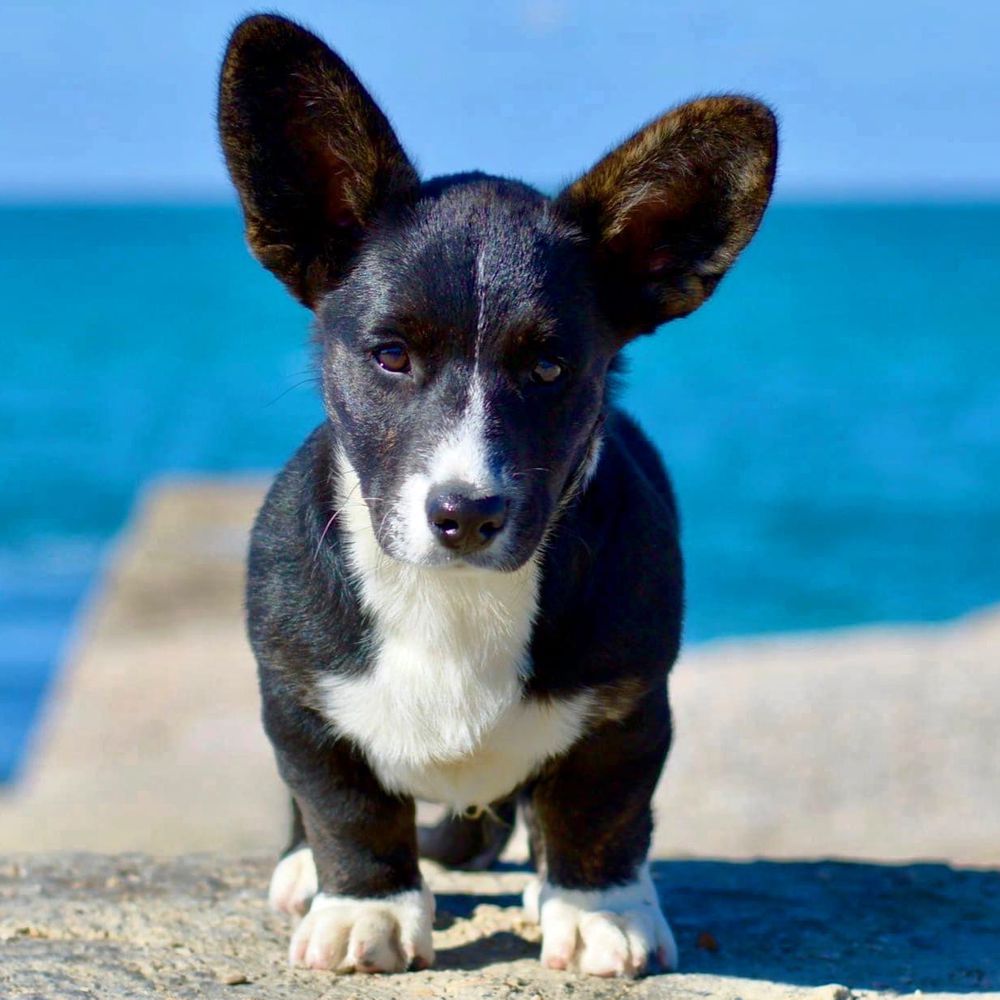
pixel 501 946
pixel 868 926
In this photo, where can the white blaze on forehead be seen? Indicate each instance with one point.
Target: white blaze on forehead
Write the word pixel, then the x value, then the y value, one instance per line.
pixel 460 463
pixel 464 455
pixel 510 273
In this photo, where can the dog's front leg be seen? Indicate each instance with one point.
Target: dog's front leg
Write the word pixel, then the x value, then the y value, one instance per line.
pixel 591 823
pixel 372 912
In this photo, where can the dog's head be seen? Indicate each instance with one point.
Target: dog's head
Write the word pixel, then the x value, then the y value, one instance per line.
pixel 467 324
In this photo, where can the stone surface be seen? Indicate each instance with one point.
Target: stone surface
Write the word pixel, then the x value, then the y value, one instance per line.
pixel 875 743
pixel 78 925
pixel 879 743
pixel 151 738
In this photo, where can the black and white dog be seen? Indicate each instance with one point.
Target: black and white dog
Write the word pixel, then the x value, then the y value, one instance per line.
pixel 466 586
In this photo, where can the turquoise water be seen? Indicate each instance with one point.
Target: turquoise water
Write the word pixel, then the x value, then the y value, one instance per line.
pixel 832 417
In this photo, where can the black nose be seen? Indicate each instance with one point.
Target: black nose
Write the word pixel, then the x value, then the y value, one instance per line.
pixel 465 524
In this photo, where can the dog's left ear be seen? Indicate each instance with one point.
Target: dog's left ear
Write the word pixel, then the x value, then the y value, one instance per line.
pixel 669 210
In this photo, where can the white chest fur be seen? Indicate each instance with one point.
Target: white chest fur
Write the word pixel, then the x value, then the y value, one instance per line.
pixel 440 714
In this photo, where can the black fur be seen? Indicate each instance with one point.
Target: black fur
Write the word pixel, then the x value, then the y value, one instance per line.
pixel 477 273
pixel 473 841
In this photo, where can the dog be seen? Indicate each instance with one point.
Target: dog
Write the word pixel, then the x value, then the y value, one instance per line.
pixel 466 586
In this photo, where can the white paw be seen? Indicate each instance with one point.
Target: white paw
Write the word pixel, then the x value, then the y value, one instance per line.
pixel 293 883
pixel 611 932
pixel 390 934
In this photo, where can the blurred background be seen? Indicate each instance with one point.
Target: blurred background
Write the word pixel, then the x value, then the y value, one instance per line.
pixel 830 417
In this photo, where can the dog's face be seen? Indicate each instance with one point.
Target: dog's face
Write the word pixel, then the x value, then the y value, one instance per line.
pixel 467 325
pixel 464 364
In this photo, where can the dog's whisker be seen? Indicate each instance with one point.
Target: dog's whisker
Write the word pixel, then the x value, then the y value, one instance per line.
pixel 333 517
pixel 298 385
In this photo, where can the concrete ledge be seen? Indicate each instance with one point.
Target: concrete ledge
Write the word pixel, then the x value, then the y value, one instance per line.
pixel 876 743
pixel 84 925
pixel 151 739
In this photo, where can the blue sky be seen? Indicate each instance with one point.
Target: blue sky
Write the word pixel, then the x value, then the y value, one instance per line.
pixel 116 100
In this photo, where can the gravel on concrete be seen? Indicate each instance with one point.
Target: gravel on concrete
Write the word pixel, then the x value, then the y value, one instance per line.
pixel 135 926
pixel 876 743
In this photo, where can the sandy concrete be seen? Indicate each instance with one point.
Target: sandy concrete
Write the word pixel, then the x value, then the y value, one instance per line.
pixel 197 927
pixel 875 743
pixel 879 743
pixel 151 739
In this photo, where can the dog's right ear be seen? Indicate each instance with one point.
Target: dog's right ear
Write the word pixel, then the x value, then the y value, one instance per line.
pixel 312 156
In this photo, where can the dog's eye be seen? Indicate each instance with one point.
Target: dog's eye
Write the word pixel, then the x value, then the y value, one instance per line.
pixel 547 371
pixel 393 358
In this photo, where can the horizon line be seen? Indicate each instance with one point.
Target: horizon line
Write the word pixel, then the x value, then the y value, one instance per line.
pixel 216 197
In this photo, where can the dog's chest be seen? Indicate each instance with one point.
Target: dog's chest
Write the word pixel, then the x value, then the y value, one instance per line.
pixel 440 712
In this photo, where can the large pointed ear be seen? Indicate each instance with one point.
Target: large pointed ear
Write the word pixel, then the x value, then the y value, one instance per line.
pixel 670 209
pixel 313 158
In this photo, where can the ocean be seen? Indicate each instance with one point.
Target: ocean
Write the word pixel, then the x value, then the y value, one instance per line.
pixel 831 418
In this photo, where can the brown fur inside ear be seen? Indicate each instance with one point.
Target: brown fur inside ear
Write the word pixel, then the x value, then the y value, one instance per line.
pixel 313 158
pixel 671 208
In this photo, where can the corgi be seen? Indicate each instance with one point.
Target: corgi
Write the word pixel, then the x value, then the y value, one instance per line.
pixel 466 586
